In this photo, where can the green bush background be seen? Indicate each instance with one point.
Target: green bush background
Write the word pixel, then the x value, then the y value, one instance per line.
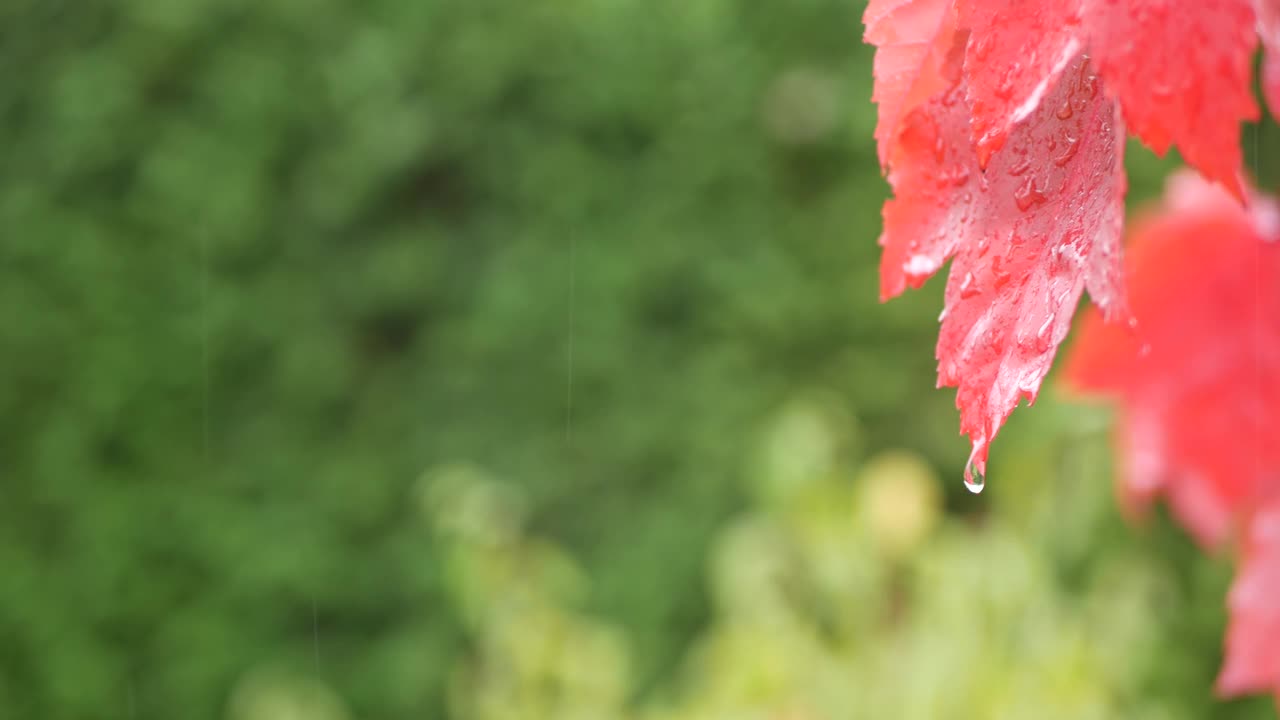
pixel 267 270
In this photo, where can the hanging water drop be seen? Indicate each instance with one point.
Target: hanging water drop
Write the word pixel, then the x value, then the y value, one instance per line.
pixel 974 479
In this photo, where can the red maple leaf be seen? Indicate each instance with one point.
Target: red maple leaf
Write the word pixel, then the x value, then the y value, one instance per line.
pixel 980 101
pixel 1198 382
pixel 1269 30
pixel 1180 70
pixel 1028 235
pixel 916 40
pixel 1016 51
pixel 1253 634
pixel 1199 388
pixel 1001 128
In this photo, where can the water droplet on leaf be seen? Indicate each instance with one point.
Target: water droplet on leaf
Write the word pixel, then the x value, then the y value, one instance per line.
pixel 999 275
pixel 1044 334
pixel 1069 147
pixel 982 48
pixel 920 266
pixel 1088 81
pixel 1091 86
pixel 1028 195
pixel 1004 90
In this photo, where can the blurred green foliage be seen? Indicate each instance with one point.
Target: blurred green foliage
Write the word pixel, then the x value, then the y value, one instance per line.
pixel 262 263
pixel 933 616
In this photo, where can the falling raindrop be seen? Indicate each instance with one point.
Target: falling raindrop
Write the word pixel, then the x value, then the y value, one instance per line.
pixel 974 480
